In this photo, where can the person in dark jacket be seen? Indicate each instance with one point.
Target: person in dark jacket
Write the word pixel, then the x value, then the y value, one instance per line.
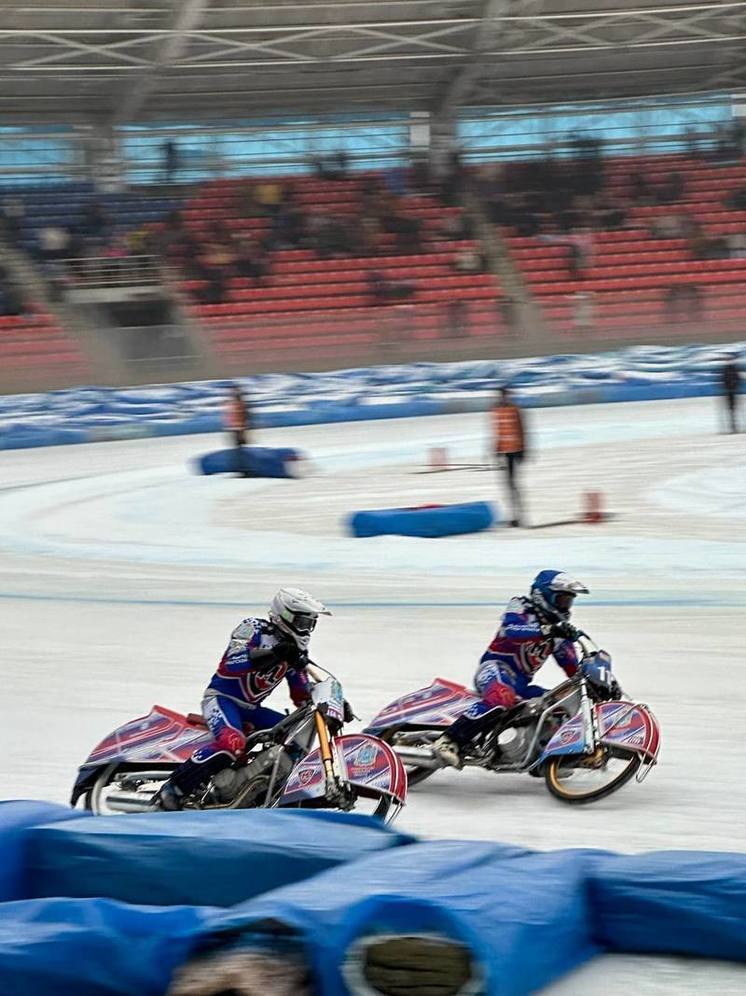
pixel 731 381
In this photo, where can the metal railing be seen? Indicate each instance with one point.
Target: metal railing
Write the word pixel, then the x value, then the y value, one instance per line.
pixel 113 271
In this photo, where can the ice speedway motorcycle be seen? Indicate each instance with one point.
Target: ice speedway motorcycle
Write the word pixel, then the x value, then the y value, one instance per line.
pixel 583 736
pixel 278 767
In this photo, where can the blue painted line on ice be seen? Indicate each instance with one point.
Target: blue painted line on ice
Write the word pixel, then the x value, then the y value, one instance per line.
pixel 636 602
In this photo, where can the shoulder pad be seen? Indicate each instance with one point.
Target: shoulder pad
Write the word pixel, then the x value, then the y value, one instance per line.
pixel 247 629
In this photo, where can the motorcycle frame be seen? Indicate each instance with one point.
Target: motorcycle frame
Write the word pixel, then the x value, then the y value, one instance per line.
pixel 526 764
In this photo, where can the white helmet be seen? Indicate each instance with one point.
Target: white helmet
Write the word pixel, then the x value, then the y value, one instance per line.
pixel 295 612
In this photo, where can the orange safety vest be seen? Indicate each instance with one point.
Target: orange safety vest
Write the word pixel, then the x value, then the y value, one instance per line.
pixel 235 415
pixel 508 428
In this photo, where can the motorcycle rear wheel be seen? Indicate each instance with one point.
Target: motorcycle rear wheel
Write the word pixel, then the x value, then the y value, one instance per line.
pixel 94 799
pixel 415 774
pixel 560 772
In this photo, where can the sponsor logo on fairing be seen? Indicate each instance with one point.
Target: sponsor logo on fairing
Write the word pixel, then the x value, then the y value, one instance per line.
pixel 366 756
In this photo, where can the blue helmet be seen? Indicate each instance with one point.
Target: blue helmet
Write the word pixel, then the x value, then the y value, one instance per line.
pixel 553 593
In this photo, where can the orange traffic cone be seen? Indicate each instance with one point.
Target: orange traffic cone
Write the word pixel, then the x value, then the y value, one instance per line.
pixel 593 511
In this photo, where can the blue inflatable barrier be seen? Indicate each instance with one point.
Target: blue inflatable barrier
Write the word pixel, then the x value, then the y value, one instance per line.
pixel 17 819
pixel 219 859
pixel 677 902
pixel 259 461
pixel 428 521
pixel 93 947
pixel 528 917
pixel 494 898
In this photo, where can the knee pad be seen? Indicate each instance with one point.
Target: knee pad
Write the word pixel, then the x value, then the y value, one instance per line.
pixel 231 741
pixel 500 695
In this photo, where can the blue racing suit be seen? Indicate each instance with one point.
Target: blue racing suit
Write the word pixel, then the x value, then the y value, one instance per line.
pixel 520 647
pixel 232 702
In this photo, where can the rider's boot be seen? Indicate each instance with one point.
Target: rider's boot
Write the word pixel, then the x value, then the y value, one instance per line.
pixel 448 751
pixel 187 778
pixel 451 747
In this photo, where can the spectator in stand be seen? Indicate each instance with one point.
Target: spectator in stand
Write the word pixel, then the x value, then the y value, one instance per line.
pixel 671 190
pixel 250 261
pixel 384 291
pixel 639 188
pixel 457 315
pixel 581 248
pixel 692 142
pixel 269 198
pixel 288 224
pixel 54 243
pixel 509 313
pixel 731 381
pixel 737 245
pixel 12 213
pixel 469 261
pixel 509 447
pixel 406 230
pixel 584 311
pixel 673 225
pixel 11 299
pixel 683 303
pixel 452 179
pixel 170 160
pixel 96 222
pixel 607 213
pixel 237 420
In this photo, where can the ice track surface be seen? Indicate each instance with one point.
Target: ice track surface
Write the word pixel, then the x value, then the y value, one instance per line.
pixel 122 573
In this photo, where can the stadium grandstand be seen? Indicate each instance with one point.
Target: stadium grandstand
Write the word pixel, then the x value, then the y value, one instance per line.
pixel 196 188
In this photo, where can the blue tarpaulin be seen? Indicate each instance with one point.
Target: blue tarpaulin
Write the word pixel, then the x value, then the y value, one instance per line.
pixel 494 898
pixel 17 818
pixel 92 947
pixel 680 902
pixel 331 879
pixel 218 858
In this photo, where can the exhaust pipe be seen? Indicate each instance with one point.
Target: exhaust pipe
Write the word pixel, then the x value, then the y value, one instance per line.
pixel 131 802
pixel 419 757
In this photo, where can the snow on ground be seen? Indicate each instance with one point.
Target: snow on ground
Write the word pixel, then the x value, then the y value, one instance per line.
pixel 122 573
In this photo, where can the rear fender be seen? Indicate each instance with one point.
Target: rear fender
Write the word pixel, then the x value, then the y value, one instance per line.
pixel 161 737
pixel 363 762
pixel 437 705
pixel 85 778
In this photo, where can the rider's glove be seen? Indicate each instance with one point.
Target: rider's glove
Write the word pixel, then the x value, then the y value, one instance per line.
pixel 565 630
pixel 349 715
pixel 615 692
pixel 290 652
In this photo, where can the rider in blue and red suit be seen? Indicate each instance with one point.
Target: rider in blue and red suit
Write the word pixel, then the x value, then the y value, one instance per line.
pixel 531 630
pixel 261 652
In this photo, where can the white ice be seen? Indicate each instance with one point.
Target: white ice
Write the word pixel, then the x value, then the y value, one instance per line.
pixel 122 572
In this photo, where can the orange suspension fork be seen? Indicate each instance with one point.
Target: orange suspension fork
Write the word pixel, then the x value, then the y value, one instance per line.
pixel 324 746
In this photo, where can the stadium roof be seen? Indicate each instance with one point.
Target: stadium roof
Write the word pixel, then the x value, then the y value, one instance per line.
pixel 112 61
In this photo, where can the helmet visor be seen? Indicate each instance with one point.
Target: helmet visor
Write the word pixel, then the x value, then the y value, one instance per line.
pixel 563 600
pixel 303 623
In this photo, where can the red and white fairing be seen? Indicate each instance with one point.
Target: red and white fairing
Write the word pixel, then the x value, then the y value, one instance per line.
pixel 366 763
pixel 623 724
pixel 439 704
pixel 161 737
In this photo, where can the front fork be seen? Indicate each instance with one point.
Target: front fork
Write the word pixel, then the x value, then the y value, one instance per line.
pixel 590 730
pixel 325 749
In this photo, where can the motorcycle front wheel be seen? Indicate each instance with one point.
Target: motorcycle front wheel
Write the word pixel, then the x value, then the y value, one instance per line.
pixel 581 778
